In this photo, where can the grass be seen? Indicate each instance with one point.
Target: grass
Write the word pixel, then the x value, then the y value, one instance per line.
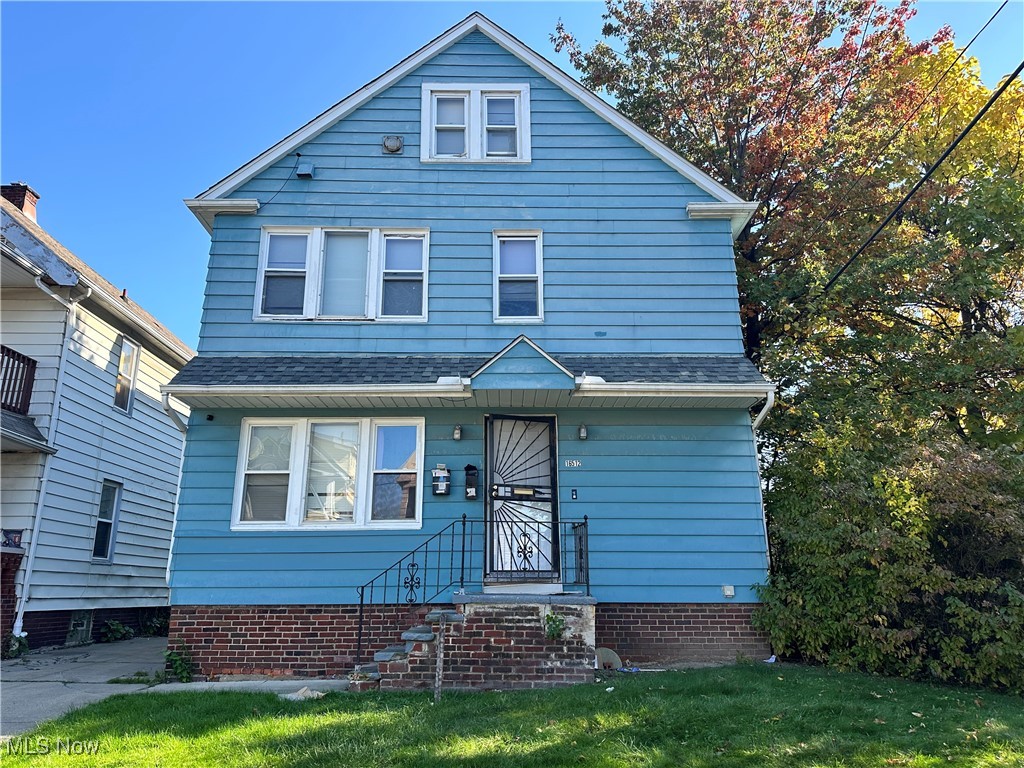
pixel 141 677
pixel 748 715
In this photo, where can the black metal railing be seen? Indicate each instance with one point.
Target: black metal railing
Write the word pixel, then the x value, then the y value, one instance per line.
pixel 17 375
pixel 525 551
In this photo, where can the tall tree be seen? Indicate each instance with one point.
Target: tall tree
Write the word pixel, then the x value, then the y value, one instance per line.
pixel 784 101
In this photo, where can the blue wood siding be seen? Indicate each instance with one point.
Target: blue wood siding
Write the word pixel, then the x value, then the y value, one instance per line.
pixel 523 367
pixel 625 269
pixel 672 497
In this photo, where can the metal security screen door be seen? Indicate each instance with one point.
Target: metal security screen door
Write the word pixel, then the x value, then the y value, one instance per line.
pixel 522 530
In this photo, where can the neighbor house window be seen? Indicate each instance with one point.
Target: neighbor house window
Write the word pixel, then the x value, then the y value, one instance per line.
pixel 518 277
pixel 106 521
pixel 475 122
pixel 343 274
pixel 329 473
pixel 127 370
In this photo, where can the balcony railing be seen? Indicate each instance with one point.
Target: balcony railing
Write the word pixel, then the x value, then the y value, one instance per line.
pixel 18 376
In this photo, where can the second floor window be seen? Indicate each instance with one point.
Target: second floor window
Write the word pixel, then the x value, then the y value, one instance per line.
pixel 518 277
pixel 343 274
pixel 127 370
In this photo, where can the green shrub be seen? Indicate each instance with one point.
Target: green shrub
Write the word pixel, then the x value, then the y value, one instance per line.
pixel 911 566
pixel 179 662
pixel 113 631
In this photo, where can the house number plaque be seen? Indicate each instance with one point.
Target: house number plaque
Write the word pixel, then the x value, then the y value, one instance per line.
pixel 573 463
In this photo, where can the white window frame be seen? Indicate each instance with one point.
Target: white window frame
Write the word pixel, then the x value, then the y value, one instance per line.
pixel 298 462
pixel 518 234
pixel 132 376
pixel 475 94
pixel 316 244
pixel 115 515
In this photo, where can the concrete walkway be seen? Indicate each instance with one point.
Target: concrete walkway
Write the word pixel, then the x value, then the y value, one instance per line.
pixel 43 685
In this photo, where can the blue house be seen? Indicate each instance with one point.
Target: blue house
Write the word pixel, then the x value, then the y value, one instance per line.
pixel 470 337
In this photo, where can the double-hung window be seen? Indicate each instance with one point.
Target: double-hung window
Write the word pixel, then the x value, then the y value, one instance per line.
pixel 106 521
pixel 127 371
pixel 475 122
pixel 342 274
pixel 518 277
pixel 329 473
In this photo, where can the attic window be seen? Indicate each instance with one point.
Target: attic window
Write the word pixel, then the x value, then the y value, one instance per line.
pixel 475 122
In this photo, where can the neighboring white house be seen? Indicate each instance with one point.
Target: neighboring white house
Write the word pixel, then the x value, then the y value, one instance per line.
pixel 91 453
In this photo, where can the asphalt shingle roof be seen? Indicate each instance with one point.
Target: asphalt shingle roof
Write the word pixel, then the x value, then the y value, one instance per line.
pixel 426 369
pixel 19 426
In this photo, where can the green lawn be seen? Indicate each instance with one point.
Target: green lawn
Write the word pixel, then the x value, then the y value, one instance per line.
pixel 750 715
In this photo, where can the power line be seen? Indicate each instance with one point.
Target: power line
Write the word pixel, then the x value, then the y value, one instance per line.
pixel 934 166
pixel 895 134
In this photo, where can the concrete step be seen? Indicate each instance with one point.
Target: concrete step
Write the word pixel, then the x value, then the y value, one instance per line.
pixel 450 617
pixel 393 652
pixel 420 634
pixel 368 671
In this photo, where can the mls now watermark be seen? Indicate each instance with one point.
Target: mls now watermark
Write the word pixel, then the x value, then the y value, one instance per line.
pixel 47 746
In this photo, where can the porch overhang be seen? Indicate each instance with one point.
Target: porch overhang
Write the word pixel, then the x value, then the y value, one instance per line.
pixel 338 396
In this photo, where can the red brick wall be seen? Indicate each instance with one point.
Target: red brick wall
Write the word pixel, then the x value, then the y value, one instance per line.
pixel 679 632
pixel 299 640
pixel 46 628
pixel 320 640
pixel 9 562
pixel 498 647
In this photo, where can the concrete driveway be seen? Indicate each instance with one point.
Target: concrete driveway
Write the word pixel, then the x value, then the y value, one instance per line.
pixel 43 685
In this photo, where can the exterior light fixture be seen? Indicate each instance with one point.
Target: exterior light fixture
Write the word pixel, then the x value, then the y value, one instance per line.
pixel 582 433
pixel 457 433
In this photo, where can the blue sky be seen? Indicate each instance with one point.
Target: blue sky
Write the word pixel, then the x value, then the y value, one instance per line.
pixel 114 112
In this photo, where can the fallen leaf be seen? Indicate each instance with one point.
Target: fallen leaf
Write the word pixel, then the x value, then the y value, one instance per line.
pixel 609 690
pixel 879 721
pixel 917 714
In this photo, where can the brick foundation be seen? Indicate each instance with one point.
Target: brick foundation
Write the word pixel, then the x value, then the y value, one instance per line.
pixel 679 632
pixel 9 563
pixel 49 628
pixel 502 647
pixel 291 640
pixel 46 628
pixel 320 640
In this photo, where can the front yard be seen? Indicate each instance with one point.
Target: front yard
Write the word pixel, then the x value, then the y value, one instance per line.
pixel 750 715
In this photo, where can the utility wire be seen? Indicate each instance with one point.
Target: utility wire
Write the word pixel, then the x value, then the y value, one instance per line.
pixel 934 166
pixel 895 134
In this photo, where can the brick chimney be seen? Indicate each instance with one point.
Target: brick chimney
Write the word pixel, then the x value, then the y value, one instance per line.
pixel 23 196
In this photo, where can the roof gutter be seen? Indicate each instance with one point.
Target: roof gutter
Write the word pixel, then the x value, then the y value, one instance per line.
pixel 206 210
pixel 738 213
pixel 764 411
pixel 448 389
pixel 659 389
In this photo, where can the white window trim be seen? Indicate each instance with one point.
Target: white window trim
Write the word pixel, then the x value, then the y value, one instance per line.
pixel 114 519
pixel 316 243
pixel 299 458
pixel 475 150
pixel 133 377
pixel 532 234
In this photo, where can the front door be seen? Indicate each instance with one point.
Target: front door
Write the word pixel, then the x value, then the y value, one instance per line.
pixel 522 511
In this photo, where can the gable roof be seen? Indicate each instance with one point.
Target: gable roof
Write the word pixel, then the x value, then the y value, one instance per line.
pixel 540 355
pixel 733 206
pixel 103 291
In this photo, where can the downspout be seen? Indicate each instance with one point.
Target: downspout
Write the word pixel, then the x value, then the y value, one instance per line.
pixel 768 403
pixel 183 428
pixel 72 307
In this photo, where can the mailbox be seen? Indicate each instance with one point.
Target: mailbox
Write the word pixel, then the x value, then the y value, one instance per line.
pixel 442 480
pixel 472 477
